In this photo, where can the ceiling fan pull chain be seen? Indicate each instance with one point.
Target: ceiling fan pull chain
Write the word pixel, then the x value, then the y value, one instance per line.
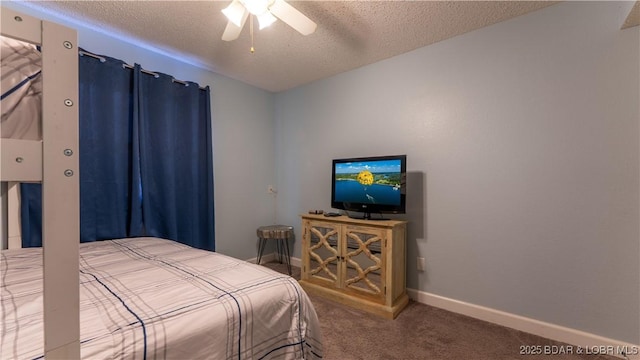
pixel 251 31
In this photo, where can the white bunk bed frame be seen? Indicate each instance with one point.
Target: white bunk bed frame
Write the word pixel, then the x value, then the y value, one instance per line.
pixel 53 161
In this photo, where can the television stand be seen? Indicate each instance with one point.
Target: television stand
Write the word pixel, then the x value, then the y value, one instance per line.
pixel 359 263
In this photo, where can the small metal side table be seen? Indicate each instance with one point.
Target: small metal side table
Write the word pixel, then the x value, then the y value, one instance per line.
pixel 280 233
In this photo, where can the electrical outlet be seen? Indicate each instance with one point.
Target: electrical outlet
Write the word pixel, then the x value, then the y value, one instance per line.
pixel 420 264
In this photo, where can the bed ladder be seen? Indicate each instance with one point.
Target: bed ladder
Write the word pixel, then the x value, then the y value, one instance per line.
pixel 59 173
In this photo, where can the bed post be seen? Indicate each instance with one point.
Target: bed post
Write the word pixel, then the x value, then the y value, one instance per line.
pixel 59 175
pixel 60 192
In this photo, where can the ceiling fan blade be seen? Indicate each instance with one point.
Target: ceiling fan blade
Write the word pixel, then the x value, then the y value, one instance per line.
pixel 292 17
pixel 232 31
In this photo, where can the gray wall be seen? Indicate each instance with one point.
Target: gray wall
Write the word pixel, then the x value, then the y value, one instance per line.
pixel 243 135
pixel 523 153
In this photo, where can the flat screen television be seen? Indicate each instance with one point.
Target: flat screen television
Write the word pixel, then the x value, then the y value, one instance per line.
pixel 370 185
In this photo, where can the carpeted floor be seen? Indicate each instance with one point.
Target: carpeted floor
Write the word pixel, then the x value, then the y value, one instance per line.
pixel 425 332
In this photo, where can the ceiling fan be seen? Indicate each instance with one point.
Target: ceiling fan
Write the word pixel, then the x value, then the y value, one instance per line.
pixel 264 10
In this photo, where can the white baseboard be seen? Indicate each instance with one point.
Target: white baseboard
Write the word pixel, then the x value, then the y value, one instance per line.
pixel 589 343
pixel 296 262
pixel 274 257
pixel 265 258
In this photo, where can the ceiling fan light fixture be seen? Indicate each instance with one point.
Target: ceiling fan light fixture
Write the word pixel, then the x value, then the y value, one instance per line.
pixel 267 11
pixel 266 19
pixel 257 7
pixel 234 12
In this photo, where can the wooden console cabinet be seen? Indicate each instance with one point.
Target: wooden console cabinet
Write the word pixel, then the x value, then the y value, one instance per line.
pixel 360 263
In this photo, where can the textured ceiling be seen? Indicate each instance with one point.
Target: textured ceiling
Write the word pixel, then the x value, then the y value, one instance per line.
pixel 350 34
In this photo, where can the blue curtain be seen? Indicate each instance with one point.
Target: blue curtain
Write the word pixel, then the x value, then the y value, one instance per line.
pixel 109 199
pixel 176 160
pixel 31 214
pixel 145 159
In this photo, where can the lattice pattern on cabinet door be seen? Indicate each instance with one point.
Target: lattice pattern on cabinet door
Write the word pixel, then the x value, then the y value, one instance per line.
pixel 363 247
pixel 323 241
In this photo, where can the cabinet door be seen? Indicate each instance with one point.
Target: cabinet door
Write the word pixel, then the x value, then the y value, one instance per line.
pixel 323 253
pixel 364 258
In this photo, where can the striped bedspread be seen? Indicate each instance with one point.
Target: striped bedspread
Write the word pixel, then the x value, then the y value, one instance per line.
pixel 149 298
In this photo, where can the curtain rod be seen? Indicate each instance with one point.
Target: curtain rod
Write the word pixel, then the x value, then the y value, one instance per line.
pixel 127 66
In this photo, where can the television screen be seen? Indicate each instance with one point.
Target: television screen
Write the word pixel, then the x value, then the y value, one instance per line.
pixel 369 185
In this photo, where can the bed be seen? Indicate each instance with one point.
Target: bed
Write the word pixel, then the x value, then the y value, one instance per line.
pixel 21 106
pixel 153 298
pixel 126 298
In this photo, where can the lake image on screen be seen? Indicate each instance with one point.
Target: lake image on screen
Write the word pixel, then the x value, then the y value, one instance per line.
pixel 352 191
pixel 384 189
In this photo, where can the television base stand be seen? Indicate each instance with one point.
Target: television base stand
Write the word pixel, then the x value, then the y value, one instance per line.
pixel 366 216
